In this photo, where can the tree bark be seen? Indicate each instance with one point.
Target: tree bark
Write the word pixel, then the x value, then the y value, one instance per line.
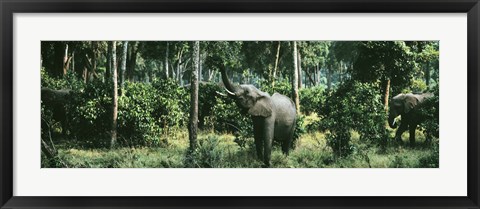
pixel 277 56
pixel 299 70
pixel 65 60
pixel 92 62
pixel 295 78
pixel 109 61
pixel 194 97
pixel 132 60
pixel 115 97
pixel 166 61
pixel 427 75
pixel 387 92
pixel 124 66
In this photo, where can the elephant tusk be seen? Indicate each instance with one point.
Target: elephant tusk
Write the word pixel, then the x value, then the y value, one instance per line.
pixel 221 94
pixel 393 123
pixel 229 92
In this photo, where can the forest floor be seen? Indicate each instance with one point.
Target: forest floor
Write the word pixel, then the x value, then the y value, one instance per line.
pixel 221 151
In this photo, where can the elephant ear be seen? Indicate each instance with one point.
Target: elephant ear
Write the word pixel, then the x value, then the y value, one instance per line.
pixel 410 103
pixel 262 107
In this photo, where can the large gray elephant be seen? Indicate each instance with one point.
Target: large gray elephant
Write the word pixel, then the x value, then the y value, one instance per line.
pixel 273 116
pixel 407 106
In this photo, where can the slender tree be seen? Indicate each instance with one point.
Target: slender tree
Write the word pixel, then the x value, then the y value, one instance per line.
pixel 194 96
pixel 166 60
pixel 276 65
pixel 115 96
pixel 295 77
pixel 124 65
pixel 108 70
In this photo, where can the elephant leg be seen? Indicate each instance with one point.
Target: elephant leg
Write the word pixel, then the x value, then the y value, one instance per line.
pixel 398 135
pixel 267 149
pixel 412 134
pixel 258 136
pixel 258 129
pixel 268 135
pixel 287 141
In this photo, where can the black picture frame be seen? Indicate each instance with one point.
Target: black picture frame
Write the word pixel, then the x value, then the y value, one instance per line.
pixel 9 7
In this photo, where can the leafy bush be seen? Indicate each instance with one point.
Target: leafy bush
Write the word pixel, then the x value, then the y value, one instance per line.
pixel 90 111
pixel 137 123
pixel 145 111
pixel 354 106
pixel 311 99
pixel 69 81
pixel 430 114
pixel 282 87
pixel 173 103
pixel 226 116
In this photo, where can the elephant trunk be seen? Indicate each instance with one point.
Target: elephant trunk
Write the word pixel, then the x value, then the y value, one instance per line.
pixel 391 122
pixel 229 86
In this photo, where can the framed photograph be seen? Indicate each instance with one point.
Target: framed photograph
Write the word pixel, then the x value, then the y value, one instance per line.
pixel 238 104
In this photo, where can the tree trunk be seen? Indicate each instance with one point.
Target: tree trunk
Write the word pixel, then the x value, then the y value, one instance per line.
pixel 311 79
pixel 109 61
pixel 73 62
pixel 132 60
pixel 166 61
pixel 124 67
pixel 427 75
pixel 295 78
pixel 387 92
pixel 329 77
pixel 115 96
pixel 57 66
pixel 277 56
pixel 194 97
pixel 93 61
pixel 299 70
pixel 179 64
pixel 65 60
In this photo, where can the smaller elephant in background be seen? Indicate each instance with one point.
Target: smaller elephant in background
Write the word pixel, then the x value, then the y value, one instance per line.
pixel 407 106
pixel 56 101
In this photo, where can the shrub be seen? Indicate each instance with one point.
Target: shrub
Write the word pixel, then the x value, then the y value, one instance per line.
pixel 430 114
pixel 282 87
pixel 90 111
pixel 354 106
pixel 311 99
pixel 226 116
pixel 173 103
pixel 137 121
pixel 69 81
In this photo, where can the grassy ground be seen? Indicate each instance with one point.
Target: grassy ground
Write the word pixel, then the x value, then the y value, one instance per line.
pixel 220 151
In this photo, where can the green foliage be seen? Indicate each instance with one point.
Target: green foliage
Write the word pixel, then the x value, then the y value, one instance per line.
pixel 69 81
pixel 383 60
pixel 137 121
pixel 282 87
pixel 173 103
pixel 312 99
pixel 354 106
pixel 430 113
pixel 91 112
pixel 227 117
pixel 418 86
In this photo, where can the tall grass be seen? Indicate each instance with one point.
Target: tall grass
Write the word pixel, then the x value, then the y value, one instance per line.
pixel 221 151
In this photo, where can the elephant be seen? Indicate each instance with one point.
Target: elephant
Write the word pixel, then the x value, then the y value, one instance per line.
pixel 407 106
pixel 274 117
pixel 56 101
